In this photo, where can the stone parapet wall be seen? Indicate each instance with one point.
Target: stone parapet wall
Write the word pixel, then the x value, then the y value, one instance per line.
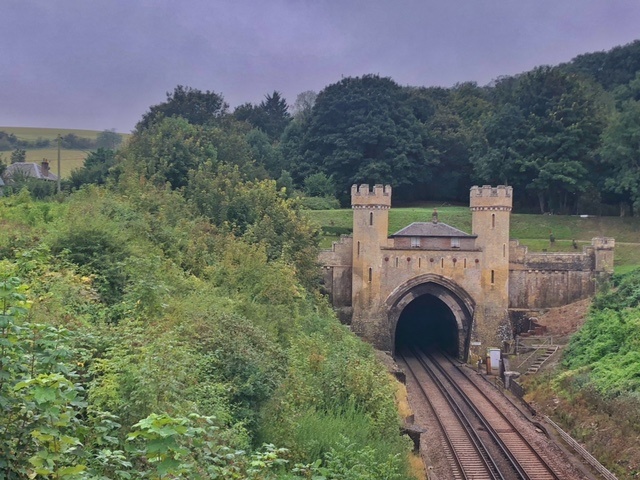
pixel 549 288
pixel 546 280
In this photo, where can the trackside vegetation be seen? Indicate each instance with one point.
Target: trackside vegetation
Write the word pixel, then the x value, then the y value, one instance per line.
pixel 595 392
pixel 140 339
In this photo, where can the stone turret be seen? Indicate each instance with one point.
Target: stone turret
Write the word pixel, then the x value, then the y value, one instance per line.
pixel 603 251
pixel 370 232
pixel 491 212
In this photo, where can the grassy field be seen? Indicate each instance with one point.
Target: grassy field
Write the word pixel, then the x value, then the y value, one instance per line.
pixel 532 230
pixel 69 159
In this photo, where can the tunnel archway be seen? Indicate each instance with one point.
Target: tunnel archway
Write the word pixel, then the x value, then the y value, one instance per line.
pixel 427 322
pixel 431 310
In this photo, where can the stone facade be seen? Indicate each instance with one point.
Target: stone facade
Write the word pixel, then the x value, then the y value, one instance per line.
pixel 372 277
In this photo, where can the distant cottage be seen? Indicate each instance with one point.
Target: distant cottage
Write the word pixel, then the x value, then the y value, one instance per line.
pixel 39 171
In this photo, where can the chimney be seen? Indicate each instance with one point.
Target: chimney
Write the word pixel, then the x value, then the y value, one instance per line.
pixel 44 166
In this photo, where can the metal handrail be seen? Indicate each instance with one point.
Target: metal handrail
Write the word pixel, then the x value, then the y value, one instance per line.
pixel 547 343
pixel 582 451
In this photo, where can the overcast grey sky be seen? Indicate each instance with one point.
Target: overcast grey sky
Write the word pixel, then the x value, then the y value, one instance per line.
pixel 100 64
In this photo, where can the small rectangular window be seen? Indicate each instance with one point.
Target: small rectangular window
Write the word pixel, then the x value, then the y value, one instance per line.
pixel 455 243
pixel 415 242
pixel 493 277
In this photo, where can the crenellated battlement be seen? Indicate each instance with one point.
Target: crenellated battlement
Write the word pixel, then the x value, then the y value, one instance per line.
pixel 364 196
pixel 603 243
pixel 491 198
pixel 489 191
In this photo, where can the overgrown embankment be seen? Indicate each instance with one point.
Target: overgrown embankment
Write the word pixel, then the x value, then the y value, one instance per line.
pixel 595 393
pixel 142 340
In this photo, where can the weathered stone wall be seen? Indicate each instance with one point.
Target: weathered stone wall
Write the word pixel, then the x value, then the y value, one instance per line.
pixel 546 280
pixel 337 272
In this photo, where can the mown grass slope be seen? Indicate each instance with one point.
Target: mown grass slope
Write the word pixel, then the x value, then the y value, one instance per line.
pixel 532 230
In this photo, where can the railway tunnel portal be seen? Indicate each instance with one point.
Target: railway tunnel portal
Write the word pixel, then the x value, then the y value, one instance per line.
pixel 431 311
pixel 432 282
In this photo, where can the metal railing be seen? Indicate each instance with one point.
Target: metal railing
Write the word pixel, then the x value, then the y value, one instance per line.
pixel 583 453
pixel 548 342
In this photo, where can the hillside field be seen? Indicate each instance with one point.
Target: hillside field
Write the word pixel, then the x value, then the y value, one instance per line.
pixel 532 230
pixel 69 159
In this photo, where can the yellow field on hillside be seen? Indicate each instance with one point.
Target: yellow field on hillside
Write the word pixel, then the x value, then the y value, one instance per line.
pixel 69 159
pixel 32 133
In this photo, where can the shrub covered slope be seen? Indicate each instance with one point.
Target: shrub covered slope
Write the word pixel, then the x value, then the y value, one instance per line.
pixel 142 340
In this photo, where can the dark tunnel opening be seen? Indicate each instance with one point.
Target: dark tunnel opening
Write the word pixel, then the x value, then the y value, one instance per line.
pixel 427 322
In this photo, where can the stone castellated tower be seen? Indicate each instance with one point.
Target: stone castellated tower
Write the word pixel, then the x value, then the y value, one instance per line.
pixel 370 232
pixel 491 211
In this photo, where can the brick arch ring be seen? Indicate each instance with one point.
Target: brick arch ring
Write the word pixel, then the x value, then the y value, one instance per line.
pixel 450 293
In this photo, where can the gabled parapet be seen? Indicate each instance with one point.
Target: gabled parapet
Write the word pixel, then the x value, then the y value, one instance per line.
pixel 362 196
pixel 493 198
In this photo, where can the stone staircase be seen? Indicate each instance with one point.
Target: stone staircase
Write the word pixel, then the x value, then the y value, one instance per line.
pixel 544 355
pixel 535 346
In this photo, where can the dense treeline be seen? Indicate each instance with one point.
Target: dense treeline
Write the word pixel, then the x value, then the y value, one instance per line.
pixel 565 137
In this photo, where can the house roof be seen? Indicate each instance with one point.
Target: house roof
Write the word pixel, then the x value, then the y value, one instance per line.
pixel 430 229
pixel 29 169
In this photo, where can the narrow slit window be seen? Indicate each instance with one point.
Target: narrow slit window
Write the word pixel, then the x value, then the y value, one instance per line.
pixel 358 248
pixel 371 218
pixel 419 262
pixel 465 263
pixel 396 261
pixel 504 250
pixel 493 220
pixel 442 263
pixel 370 274
pixel 493 277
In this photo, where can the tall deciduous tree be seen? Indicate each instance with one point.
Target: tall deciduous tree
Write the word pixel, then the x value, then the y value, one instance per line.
pixel 196 106
pixel 544 136
pixel 108 139
pixel 18 155
pixel 271 115
pixel 304 104
pixel 95 168
pixel 168 150
pixel 621 152
pixel 362 130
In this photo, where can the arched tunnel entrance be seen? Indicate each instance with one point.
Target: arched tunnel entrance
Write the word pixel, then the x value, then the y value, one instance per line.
pixel 431 310
pixel 427 322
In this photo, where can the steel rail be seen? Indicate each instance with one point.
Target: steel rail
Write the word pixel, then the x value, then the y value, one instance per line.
pixel 516 447
pixel 483 465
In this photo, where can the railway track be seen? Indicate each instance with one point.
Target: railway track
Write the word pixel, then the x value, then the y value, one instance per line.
pixel 480 442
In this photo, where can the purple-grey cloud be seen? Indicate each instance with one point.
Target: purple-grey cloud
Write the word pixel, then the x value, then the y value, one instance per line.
pixel 101 64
